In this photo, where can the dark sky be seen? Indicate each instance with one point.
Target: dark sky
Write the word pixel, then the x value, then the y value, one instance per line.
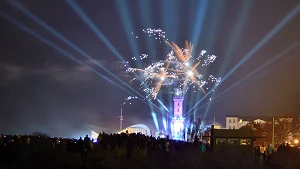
pixel 42 89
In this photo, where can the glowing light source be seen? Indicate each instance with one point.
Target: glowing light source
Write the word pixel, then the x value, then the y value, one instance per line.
pixel 190 73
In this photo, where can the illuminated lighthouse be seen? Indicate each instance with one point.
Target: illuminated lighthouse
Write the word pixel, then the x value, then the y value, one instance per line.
pixel 178 120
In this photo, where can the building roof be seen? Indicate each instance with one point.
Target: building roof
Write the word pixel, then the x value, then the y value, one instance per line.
pixel 264 118
pixel 98 129
pixel 109 131
pixel 239 133
pixel 142 126
pixel 251 118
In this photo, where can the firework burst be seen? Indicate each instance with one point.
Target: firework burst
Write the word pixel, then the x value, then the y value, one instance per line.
pixel 179 66
pixel 128 99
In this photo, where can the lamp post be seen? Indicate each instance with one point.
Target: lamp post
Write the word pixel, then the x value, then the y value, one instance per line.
pixel 214 120
pixel 121 112
pixel 121 119
pixel 273 130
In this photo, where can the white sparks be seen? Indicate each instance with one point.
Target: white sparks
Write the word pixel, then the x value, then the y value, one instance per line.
pixel 128 98
pixel 179 69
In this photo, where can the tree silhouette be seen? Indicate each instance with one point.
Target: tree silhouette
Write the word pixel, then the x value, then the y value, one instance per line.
pixel 195 129
pixel 282 131
pixel 296 128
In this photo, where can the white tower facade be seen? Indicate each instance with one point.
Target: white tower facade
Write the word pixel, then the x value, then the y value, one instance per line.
pixel 178 120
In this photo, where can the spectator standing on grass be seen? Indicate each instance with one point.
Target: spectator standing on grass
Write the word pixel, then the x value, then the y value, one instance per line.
pixel 104 141
pixel 80 141
pixel 80 145
pixel 202 147
pixel 269 151
pixel 1 139
pixel 87 141
pixel 256 153
pixel 167 145
pixel 207 146
pixel 196 141
pixel 53 143
pixel 28 140
pixel 99 138
pixel 92 144
pixel 112 142
pixel 129 147
pixel 150 147
pixel 264 156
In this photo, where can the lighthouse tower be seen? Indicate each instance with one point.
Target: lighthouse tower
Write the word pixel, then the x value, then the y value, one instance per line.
pixel 178 120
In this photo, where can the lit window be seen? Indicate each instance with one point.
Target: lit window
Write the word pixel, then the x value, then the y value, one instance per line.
pixel 221 141
pixel 229 120
pixel 245 141
pixel 233 141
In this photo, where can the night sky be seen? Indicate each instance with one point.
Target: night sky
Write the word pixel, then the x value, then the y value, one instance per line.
pixel 42 89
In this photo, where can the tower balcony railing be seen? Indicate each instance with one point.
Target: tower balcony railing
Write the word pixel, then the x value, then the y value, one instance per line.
pixel 177 97
pixel 178 118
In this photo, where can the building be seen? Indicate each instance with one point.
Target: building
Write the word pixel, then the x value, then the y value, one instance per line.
pixel 242 138
pixel 178 120
pixel 95 130
pixel 236 122
pixel 138 128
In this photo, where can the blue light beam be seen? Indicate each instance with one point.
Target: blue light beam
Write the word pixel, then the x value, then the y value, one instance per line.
pixel 127 22
pixel 202 6
pixel 274 31
pixel 146 20
pixel 264 66
pixel 163 105
pixel 58 35
pixel 155 120
pixel 164 123
pixel 90 23
pixel 49 43
pixel 236 33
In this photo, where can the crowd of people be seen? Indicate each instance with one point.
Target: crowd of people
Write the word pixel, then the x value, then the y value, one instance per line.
pixel 106 141
pixel 11 145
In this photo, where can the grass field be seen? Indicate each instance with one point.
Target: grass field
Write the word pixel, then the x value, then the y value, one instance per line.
pixel 23 157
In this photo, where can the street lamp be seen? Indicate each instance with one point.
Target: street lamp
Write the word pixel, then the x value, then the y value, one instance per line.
pixel 121 119
pixel 296 141
pixel 121 112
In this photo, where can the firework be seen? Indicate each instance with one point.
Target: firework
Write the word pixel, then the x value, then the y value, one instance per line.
pixel 143 56
pixel 179 66
pixel 158 34
pixel 128 99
